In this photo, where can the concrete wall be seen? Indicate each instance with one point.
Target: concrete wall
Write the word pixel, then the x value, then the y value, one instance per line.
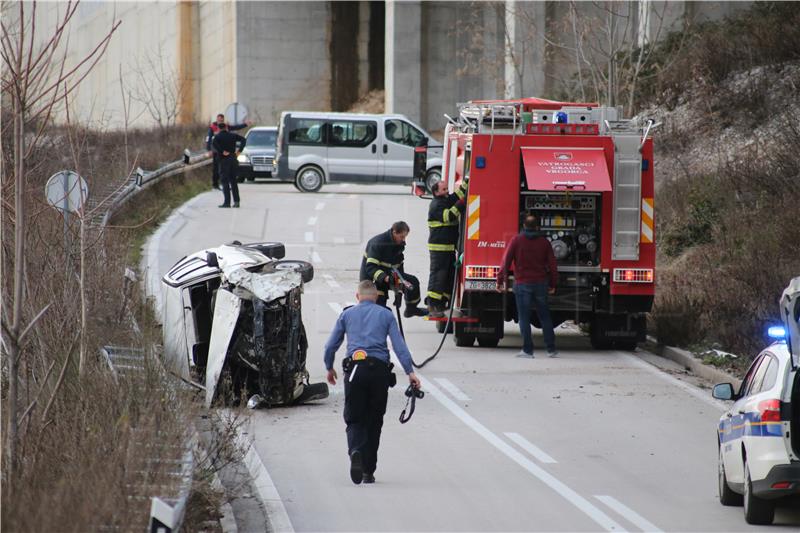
pixel 146 40
pixel 282 57
pixel 274 56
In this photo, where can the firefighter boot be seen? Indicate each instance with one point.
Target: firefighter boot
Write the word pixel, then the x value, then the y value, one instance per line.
pixel 435 310
pixel 413 310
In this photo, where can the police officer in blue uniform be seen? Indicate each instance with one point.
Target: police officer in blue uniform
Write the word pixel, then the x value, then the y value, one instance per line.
pixel 367 375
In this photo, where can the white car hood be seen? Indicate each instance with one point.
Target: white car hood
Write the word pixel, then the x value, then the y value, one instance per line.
pixel 265 286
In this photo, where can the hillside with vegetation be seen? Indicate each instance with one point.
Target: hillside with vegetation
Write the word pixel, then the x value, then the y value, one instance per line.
pixel 728 178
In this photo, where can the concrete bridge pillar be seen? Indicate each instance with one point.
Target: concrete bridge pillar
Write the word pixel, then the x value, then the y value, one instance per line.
pixel 403 58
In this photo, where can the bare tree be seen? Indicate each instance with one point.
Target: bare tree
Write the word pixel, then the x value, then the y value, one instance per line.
pixel 36 79
pixel 158 88
pixel 609 48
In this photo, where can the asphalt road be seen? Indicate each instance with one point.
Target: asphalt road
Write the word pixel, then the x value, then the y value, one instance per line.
pixel 589 441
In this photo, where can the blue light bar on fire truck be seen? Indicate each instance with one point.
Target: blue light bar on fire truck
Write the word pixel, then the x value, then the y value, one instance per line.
pixel 633 275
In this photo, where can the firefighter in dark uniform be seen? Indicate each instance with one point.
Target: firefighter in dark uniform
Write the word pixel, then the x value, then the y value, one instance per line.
pixel 367 375
pixel 228 145
pixel 444 216
pixel 213 129
pixel 383 265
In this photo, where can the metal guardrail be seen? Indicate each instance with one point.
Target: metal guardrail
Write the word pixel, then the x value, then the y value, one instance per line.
pixel 167 510
pixel 142 179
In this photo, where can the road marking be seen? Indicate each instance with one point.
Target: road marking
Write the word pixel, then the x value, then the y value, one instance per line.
pixel 450 387
pixel 530 447
pixel 593 512
pixel 315 257
pixel 309 236
pixel 338 240
pixel 629 514
pixel 332 282
pixel 320 206
pixel 337 308
pixel 691 389
pixel 312 221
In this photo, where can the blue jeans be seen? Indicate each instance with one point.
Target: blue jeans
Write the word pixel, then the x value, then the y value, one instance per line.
pixel 527 296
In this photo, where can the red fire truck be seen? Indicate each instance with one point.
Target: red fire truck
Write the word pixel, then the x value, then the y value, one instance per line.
pixel 588 175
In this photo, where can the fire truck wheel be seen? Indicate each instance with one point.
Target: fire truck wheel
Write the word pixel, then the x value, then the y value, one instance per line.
pixel 433 176
pixel 488 342
pixel 628 346
pixel 441 325
pixel 463 341
pixel 309 179
pixel 597 338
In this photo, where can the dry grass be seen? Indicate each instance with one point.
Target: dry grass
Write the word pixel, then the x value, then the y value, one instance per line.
pixel 89 447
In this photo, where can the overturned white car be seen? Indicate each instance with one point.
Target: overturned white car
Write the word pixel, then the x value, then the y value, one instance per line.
pixel 233 324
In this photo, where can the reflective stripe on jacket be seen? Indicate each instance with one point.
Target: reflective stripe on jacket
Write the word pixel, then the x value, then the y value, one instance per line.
pixel 444 216
pixel 380 257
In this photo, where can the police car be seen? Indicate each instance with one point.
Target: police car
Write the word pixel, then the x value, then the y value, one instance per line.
pixel 759 436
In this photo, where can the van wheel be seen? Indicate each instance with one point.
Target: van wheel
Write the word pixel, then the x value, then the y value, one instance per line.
pixel 433 176
pixel 305 268
pixel 726 496
pixel 309 179
pixel 756 510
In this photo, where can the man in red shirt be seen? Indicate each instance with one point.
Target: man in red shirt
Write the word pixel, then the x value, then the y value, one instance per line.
pixel 535 276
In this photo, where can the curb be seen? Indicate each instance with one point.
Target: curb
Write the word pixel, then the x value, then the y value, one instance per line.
pixel 690 362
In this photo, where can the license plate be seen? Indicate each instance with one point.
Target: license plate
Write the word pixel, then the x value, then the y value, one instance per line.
pixel 262 168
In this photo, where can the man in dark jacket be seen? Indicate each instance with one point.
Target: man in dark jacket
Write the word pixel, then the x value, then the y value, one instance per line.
pixel 535 276
pixel 444 217
pixel 383 265
pixel 228 145
pixel 213 129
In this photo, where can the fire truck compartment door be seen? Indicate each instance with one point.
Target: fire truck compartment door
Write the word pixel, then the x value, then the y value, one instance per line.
pixel 566 169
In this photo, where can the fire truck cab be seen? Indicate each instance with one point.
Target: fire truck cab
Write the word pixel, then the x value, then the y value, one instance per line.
pixel 588 176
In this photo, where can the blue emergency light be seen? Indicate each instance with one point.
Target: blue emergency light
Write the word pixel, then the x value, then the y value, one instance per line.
pixel 561 117
pixel 777 332
pixel 480 162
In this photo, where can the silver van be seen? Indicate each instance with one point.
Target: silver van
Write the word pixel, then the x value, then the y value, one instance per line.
pixel 318 148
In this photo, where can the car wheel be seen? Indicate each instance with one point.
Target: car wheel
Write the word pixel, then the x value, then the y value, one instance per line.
pixel 309 179
pixel 433 176
pixel 305 268
pixel 488 342
pixel 756 510
pixel 726 496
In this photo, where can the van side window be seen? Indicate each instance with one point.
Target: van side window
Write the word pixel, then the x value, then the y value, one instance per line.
pixel 352 133
pixel 402 132
pixel 305 131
